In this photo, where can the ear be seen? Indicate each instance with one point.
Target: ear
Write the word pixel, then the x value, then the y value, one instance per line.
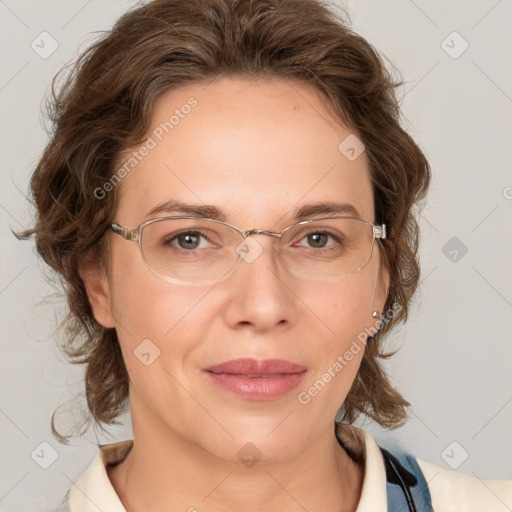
pixel 381 292
pixel 98 290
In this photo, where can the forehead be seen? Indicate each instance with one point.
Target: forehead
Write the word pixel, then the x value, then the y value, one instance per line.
pixel 255 149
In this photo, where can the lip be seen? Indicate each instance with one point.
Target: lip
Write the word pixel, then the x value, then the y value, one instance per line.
pixel 256 367
pixel 254 379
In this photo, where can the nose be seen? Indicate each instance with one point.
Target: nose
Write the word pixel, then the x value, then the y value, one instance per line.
pixel 258 295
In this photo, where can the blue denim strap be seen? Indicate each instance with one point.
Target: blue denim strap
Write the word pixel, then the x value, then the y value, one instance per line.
pixel 406 487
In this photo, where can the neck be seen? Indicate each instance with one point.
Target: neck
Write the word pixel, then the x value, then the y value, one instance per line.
pixel 165 472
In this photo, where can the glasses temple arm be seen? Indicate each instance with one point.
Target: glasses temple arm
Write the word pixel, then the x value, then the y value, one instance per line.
pixel 123 231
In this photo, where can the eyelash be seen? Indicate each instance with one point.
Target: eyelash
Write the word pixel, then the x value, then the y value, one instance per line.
pixel 205 237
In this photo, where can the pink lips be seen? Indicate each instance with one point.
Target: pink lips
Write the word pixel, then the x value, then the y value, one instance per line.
pixel 257 379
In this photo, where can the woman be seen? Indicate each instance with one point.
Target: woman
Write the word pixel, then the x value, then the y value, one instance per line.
pixel 228 198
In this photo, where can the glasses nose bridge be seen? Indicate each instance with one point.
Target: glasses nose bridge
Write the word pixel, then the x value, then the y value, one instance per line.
pixel 272 234
pixel 250 232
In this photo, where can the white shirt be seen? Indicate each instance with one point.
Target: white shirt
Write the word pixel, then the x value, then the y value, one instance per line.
pixel 450 491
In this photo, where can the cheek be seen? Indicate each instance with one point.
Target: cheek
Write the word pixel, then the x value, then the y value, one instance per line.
pixel 160 333
pixel 157 311
pixel 152 315
pixel 342 317
pixel 343 311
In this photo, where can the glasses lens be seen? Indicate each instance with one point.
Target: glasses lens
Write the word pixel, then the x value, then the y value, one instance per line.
pixel 189 250
pixel 202 251
pixel 327 249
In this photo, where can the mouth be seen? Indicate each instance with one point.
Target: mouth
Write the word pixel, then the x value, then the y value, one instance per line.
pixel 257 380
pixel 256 368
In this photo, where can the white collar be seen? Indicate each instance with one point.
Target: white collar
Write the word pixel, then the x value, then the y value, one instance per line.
pixel 93 490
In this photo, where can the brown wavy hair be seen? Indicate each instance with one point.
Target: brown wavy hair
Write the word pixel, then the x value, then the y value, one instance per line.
pixel 104 105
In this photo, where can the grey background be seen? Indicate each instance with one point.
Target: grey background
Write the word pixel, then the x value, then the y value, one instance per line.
pixel 456 351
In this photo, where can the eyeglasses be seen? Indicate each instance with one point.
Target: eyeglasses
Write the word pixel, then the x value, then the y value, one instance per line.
pixel 198 251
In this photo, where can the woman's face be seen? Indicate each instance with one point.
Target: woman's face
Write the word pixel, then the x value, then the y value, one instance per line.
pixel 257 151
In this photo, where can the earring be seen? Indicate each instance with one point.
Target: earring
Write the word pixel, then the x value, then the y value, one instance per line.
pixel 375 314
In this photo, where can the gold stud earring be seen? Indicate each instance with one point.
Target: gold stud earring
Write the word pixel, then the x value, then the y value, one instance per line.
pixel 375 314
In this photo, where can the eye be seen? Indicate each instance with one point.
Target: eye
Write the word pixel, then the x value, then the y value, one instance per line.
pixel 317 239
pixel 320 239
pixel 186 240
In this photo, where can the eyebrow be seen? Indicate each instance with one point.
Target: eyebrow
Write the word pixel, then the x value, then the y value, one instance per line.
pixel 213 212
